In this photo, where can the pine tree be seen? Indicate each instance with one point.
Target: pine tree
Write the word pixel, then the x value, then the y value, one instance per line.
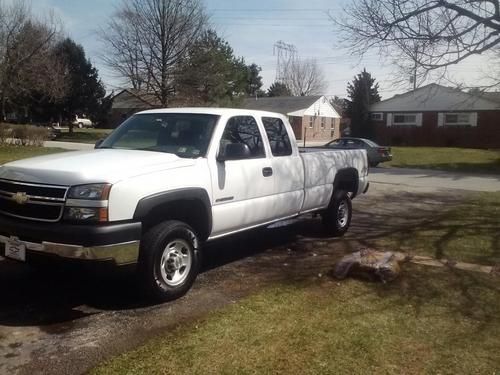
pixel 363 92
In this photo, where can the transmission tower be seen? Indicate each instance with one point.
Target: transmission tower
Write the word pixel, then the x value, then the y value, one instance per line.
pixel 286 55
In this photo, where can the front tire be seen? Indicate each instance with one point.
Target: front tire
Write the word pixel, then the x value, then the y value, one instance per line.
pixel 337 217
pixel 169 260
pixel 80 125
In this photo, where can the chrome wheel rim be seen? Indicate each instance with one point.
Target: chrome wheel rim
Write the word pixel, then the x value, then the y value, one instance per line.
pixel 342 214
pixel 176 262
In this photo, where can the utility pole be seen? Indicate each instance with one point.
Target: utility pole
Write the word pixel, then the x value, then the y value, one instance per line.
pixel 286 55
pixel 413 79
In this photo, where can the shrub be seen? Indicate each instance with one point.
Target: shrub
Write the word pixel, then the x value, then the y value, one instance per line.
pixel 5 133
pixel 27 135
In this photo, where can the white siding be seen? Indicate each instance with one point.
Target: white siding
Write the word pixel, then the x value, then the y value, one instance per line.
pixel 321 108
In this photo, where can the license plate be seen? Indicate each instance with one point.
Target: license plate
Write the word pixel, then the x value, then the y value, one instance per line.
pixel 15 250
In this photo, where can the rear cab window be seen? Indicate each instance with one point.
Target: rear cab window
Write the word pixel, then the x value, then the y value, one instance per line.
pixel 277 134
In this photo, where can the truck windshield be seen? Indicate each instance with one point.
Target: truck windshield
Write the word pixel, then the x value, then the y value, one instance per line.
pixel 185 134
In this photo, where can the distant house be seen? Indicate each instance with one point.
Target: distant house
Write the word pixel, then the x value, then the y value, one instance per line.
pixel 435 115
pixel 129 101
pixel 311 117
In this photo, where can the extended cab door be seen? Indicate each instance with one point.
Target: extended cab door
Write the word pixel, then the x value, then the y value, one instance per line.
pixel 243 185
pixel 287 166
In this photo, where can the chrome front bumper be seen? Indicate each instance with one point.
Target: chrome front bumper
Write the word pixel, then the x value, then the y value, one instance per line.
pixel 121 254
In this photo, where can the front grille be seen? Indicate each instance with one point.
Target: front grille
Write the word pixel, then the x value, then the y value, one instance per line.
pixel 32 201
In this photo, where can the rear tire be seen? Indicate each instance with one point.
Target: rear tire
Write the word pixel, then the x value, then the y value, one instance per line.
pixel 337 217
pixel 373 164
pixel 80 125
pixel 169 260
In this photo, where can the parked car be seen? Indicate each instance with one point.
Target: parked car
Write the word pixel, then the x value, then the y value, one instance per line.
pixel 376 154
pixel 167 181
pixel 82 122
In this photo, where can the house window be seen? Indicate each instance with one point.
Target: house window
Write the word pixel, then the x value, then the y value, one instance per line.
pixel 460 119
pixel 332 123
pixel 311 122
pixel 377 116
pixel 405 119
pixel 323 122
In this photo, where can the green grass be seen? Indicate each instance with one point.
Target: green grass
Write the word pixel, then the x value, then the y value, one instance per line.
pixel 11 153
pixel 448 159
pixel 84 135
pixel 430 320
pixel 468 232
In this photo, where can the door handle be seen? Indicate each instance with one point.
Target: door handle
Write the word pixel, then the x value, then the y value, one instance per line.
pixel 267 172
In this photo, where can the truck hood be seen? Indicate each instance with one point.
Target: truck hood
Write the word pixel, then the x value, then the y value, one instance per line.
pixel 94 166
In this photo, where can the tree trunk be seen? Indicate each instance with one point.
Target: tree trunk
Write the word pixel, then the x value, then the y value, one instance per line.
pixel 4 115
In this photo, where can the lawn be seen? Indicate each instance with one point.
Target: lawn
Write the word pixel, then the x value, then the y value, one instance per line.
pixel 11 153
pixel 430 320
pixel 84 135
pixel 449 159
pixel 468 231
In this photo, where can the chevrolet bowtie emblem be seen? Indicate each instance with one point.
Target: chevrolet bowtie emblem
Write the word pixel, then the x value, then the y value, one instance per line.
pixel 20 198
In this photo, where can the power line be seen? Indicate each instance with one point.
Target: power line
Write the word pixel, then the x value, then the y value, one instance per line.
pixel 273 25
pixel 233 10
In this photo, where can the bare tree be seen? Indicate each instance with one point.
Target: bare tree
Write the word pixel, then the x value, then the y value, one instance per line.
pixel 146 40
pixel 25 53
pixel 305 77
pixel 422 35
pixel 122 53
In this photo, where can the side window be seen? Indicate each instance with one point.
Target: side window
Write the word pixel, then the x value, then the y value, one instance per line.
pixel 244 130
pixel 278 136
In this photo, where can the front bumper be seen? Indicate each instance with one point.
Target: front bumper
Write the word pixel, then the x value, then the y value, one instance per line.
pixel 118 243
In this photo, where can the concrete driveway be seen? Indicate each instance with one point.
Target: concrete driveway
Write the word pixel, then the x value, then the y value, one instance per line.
pixel 435 180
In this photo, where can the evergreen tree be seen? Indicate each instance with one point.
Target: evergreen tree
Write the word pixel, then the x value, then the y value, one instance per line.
pixel 85 90
pixel 363 92
pixel 254 81
pixel 212 75
pixel 278 89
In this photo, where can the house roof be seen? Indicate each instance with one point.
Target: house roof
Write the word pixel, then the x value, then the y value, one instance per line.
pixel 316 105
pixel 281 104
pixel 435 97
pixel 492 95
pixel 134 99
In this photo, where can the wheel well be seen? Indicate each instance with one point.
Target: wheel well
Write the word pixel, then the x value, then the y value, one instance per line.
pixel 192 212
pixel 348 180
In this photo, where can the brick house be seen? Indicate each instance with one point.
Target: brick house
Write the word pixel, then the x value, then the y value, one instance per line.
pixel 435 115
pixel 311 117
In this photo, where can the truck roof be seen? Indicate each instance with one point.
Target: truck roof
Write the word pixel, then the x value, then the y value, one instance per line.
pixel 213 111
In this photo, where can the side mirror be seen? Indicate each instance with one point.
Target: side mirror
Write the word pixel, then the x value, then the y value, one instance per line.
pixel 233 151
pixel 98 143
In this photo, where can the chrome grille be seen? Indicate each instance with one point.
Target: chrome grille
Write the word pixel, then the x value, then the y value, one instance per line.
pixel 32 201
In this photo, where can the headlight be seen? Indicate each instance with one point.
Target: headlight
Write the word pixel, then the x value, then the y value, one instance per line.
pixel 91 192
pixel 82 214
pixel 87 203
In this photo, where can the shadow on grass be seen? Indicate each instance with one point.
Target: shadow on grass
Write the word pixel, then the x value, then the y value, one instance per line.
pixel 299 252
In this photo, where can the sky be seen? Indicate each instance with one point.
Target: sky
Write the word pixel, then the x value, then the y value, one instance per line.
pixel 252 29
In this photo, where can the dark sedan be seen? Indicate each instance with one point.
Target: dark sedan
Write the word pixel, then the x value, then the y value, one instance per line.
pixel 376 154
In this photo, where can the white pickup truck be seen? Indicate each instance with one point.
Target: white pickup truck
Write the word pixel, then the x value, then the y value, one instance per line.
pixel 165 182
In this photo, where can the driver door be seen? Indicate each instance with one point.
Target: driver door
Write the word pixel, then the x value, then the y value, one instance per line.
pixel 243 188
